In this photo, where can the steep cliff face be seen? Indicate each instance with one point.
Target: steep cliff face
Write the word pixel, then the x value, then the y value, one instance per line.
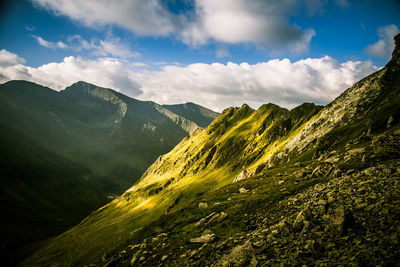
pixel 267 186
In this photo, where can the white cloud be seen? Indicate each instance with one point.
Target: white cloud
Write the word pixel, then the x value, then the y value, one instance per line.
pixel 263 22
pixel 149 17
pixel 303 43
pixel 61 45
pixel 49 44
pixel 9 59
pixel 384 46
pixel 115 48
pixel 111 46
pixel 11 67
pixel 266 23
pixel 139 64
pixel 278 81
pixel 104 72
pixel 217 86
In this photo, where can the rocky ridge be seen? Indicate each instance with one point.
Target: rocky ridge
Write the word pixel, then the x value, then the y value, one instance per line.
pixel 348 213
pixel 352 218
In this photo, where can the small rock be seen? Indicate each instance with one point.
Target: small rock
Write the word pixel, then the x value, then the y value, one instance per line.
pixel 163 258
pixel 315 171
pixel 203 205
pixel 132 247
pixel 337 173
pixel 298 223
pixel 205 238
pixel 239 256
pixel 243 175
pixel 323 206
pixel 253 262
pixel 133 260
pixel 162 235
pixel 243 190
pixel 341 221
pixel 313 246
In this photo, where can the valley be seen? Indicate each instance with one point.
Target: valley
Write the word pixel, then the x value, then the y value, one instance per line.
pixel 65 154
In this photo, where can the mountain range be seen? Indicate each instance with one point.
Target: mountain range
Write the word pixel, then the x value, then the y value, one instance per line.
pixel 309 186
pixel 65 154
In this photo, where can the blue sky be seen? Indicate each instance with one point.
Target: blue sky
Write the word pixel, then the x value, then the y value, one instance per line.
pixel 155 47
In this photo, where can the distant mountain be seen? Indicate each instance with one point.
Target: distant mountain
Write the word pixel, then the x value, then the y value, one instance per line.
pixel 310 186
pixel 64 154
pixel 201 115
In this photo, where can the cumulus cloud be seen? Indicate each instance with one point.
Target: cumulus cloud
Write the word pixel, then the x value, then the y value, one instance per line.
pixel 263 22
pixel 105 72
pixel 150 17
pixel 11 67
pixel 384 46
pixel 9 59
pixel 216 86
pixel 278 81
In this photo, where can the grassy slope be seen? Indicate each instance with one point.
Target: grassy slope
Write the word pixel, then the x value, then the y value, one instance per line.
pixel 266 142
pixel 46 139
pixel 203 162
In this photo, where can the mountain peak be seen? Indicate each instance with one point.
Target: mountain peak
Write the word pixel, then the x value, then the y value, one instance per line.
pixel 394 63
pixel 396 50
pixel 85 87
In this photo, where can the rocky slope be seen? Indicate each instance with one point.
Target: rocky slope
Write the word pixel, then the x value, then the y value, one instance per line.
pixel 313 186
pixel 65 154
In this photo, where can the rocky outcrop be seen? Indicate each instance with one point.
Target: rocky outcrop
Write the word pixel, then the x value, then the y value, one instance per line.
pixel 206 237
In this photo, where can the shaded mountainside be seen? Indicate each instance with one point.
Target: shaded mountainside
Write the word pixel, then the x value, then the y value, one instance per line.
pixel 41 193
pixel 201 115
pixel 313 185
pixel 65 154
